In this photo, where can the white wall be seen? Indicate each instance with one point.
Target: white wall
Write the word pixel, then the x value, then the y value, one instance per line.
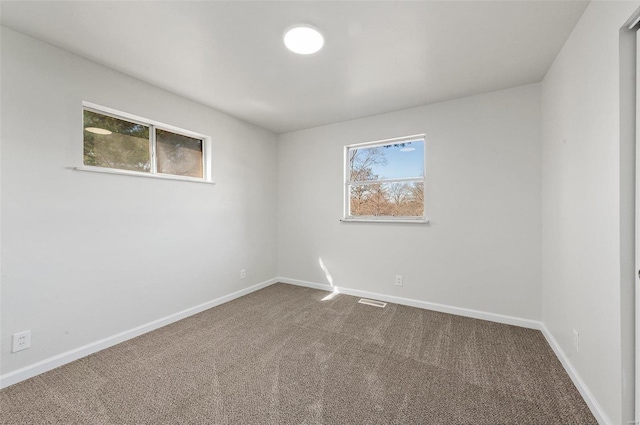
pixel 581 214
pixel 481 250
pixel 88 255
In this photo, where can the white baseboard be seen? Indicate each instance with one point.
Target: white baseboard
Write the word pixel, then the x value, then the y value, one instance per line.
pixel 588 397
pixel 460 311
pixel 77 353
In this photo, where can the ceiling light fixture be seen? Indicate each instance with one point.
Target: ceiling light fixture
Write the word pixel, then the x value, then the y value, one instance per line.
pixel 303 39
pixel 97 130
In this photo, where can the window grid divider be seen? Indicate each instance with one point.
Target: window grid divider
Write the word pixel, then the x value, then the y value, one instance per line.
pixel 154 150
pixel 380 181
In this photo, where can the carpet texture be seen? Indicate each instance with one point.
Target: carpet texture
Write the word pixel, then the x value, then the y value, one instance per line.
pixel 281 355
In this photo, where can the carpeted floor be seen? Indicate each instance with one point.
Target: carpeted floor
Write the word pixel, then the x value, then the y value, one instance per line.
pixel 283 356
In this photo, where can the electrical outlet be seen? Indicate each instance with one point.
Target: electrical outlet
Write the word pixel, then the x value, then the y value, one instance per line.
pixel 20 341
pixel 398 280
pixel 576 340
pixel 243 274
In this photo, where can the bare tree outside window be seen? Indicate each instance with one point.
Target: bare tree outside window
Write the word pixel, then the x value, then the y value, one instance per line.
pixel 386 179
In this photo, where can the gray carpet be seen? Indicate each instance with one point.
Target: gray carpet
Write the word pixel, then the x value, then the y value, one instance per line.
pixel 283 356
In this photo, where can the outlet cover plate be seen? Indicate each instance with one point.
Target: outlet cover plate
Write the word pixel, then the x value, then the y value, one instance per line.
pixel 20 341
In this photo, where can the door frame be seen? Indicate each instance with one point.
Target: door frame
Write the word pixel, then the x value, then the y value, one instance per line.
pixel 630 152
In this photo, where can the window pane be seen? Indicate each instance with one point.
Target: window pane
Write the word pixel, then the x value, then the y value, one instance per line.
pixel 115 143
pixel 393 161
pixel 400 199
pixel 179 155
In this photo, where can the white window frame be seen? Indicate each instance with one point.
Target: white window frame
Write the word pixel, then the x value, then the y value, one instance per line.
pixel 346 217
pixel 153 125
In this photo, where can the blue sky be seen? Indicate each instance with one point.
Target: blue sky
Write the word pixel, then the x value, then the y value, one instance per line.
pixel 402 163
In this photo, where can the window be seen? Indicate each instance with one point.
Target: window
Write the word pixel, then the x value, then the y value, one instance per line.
pixel 384 181
pixel 124 144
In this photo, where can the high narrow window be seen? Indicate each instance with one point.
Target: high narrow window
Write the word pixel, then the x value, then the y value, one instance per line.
pixel 126 144
pixel 384 180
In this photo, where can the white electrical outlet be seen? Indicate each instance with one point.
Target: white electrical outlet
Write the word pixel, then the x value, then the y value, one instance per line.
pixel 398 280
pixel 576 340
pixel 20 341
pixel 243 274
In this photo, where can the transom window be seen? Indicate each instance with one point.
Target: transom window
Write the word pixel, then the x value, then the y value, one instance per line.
pixel 122 143
pixel 384 180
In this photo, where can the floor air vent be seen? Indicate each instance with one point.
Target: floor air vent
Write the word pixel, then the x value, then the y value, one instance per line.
pixel 372 302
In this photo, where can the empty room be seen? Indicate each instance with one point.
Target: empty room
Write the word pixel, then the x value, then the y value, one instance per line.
pixel 317 212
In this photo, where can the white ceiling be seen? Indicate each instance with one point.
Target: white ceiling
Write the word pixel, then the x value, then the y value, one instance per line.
pixel 378 56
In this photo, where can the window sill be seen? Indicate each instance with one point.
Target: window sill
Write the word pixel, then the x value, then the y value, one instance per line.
pixel 138 174
pixel 386 220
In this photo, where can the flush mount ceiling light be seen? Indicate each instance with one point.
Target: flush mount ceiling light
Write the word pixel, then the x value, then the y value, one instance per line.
pixel 303 39
pixel 97 130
